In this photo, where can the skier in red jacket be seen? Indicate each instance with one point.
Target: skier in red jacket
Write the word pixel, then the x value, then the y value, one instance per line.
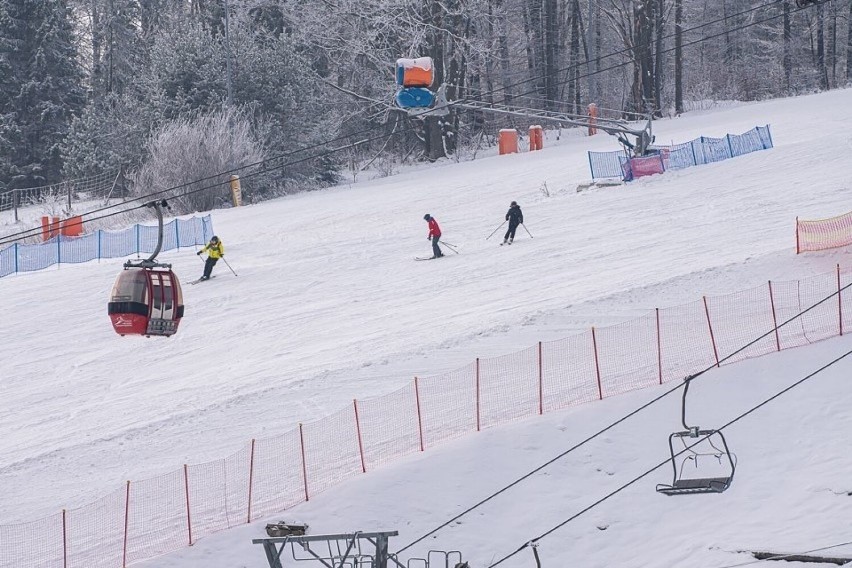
pixel 434 235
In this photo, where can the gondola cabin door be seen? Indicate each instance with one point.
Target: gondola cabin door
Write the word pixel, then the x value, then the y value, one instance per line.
pixel 146 302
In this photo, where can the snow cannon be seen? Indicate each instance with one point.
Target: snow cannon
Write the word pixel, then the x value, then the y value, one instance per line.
pixel 414 72
pixel 414 98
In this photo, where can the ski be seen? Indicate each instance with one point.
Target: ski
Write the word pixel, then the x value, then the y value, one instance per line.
pixel 194 282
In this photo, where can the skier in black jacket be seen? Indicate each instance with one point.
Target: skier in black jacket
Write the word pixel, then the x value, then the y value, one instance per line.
pixel 515 217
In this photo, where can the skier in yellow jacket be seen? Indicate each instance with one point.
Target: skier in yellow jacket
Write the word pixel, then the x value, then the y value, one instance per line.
pixel 215 250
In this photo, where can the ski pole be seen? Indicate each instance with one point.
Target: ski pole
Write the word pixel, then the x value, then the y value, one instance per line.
pixel 449 246
pixel 228 265
pixel 495 230
pixel 527 230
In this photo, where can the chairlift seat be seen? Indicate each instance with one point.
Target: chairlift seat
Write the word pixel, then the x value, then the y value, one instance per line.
pixel 693 486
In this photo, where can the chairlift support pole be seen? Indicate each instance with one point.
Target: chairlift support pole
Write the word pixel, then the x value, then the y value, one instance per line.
pixel 151 261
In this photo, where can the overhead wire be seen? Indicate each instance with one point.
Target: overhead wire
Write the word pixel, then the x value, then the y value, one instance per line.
pixel 788 555
pixel 619 421
pixel 664 462
pixel 89 215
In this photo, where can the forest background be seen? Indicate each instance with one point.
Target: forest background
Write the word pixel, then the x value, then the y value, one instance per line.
pixel 174 91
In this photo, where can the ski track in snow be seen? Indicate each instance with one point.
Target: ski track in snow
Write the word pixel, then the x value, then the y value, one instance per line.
pixel 328 305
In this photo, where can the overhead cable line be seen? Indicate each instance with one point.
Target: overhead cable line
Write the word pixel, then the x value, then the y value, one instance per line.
pixel 88 216
pixel 661 464
pixel 619 421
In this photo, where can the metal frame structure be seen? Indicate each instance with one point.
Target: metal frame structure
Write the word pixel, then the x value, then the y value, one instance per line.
pixel 690 437
pixel 619 128
pixel 347 549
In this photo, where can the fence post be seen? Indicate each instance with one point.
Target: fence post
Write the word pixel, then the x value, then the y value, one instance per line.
pixel 597 365
pixel 59 248
pixel 16 258
pixel 839 302
pixel 138 245
pixel 710 327
pixel 540 381
pixel 64 540
pixel 251 480
pixel 360 442
pixel 177 233
pixel 477 396
pixel 126 525
pixel 659 347
pixel 730 146
pixel 100 231
pixel 304 464
pixel 419 416
pixel 186 491
pixel 774 317
pixel 797 236
pixel 15 203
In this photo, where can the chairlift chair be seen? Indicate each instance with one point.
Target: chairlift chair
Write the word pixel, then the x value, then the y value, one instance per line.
pixel 695 448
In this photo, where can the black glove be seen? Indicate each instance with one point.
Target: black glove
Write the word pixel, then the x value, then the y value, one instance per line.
pixel 199 252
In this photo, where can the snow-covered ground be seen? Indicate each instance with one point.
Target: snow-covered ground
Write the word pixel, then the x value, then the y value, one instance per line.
pixel 329 306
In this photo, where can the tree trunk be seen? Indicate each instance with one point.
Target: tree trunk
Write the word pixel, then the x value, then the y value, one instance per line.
pixel 823 72
pixel 679 56
pixel 849 45
pixel 787 62
pixel 658 58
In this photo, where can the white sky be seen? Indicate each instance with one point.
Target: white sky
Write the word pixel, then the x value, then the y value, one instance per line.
pixel 329 306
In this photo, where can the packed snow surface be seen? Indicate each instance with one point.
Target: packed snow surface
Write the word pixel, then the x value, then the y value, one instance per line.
pixel 328 306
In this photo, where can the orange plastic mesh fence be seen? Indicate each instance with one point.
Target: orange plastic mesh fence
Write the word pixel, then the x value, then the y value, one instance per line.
pixel 95 532
pixel 218 493
pixel 740 318
pixel 157 521
pixel 568 369
pixel 627 355
pixel 331 450
pixel 277 481
pixel 270 475
pixel 824 233
pixel 237 471
pixel 389 426
pixel 36 544
pixel 685 343
pixel 448 405
pixel 508 387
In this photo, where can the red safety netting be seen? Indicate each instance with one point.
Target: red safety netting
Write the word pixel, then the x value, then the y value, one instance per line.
pixel 686 344
pixel 448 405
pixel 157 520
pixel 36 544
pixel 824 233
pixel 147 518
pixel 389 427
pixel 331 450
pixel 628 357
pixel 508 387
pixel 95 532
pixel 278 480
pixel 738 319
pixel 569 375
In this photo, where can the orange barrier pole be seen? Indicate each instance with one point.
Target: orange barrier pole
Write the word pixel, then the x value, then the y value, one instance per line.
pixel 593 119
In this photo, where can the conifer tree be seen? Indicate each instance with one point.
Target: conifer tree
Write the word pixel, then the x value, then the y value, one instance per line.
pixel 41 90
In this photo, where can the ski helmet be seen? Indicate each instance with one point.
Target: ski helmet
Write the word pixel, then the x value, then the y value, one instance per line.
pixel 426 217
pixel 514 204
pixel 214 239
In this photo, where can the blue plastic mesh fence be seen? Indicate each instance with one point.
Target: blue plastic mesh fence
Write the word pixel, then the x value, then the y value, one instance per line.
pixel 138 239
pixel 678 156
pixel 606 164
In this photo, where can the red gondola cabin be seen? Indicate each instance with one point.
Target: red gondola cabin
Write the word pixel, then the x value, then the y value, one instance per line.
pixel 146 302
